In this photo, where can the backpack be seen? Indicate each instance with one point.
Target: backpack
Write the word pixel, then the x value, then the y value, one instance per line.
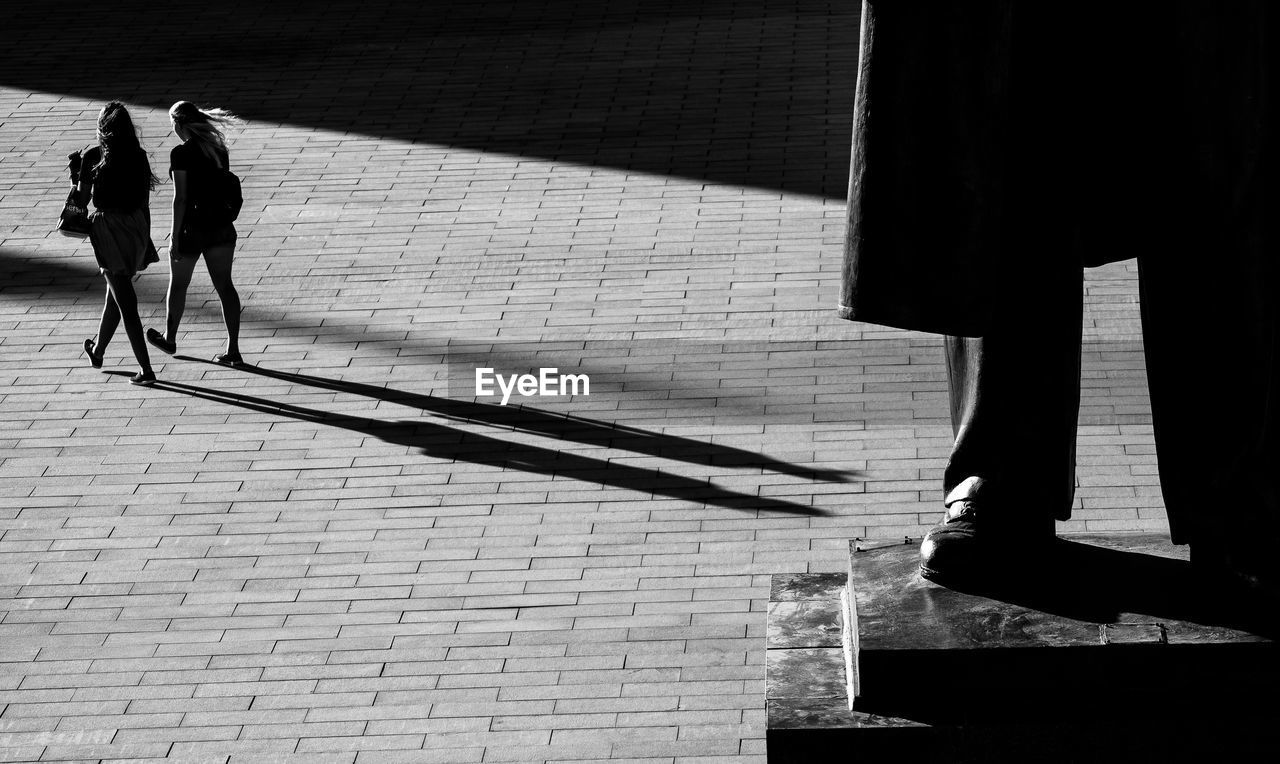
pixel 220 199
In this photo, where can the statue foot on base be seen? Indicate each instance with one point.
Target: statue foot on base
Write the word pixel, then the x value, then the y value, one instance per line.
pixel 971 548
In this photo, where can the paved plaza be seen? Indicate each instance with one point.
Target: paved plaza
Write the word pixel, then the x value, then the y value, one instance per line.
pixel 340 552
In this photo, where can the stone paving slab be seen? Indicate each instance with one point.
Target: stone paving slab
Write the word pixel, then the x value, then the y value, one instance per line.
pixel 341 553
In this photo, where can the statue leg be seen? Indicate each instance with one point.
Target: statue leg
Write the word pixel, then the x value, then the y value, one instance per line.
pixel 1212 342
pixel 1015 398
pixel 1211 299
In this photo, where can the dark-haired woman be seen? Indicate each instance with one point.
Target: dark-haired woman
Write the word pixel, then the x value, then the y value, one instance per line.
pixel 194 165
pixel 116 176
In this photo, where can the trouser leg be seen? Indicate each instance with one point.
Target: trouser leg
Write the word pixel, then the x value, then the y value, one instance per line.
pixel 1213 369
pixel 1209 300
pixel 1015 397
pixel 1015 391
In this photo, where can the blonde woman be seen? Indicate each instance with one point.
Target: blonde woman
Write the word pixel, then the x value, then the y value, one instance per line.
pixel 195 165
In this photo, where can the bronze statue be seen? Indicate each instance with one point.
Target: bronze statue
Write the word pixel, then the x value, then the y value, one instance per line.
pixel 1002 147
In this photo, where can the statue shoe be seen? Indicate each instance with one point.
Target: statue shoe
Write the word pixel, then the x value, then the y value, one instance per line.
pixel 956 550
pixel 978 545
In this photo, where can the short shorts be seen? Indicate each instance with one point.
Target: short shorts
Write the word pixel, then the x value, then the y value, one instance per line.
pixel 195 240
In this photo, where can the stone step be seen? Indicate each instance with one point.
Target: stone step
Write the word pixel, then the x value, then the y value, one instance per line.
pixel 1108 649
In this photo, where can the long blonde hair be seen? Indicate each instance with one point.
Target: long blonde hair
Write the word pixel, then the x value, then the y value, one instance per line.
pixel 204 127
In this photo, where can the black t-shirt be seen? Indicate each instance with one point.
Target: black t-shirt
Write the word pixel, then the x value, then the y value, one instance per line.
pixel 123 185
pixel 189 158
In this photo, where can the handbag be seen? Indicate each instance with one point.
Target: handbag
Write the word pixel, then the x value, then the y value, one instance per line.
pixel 74 220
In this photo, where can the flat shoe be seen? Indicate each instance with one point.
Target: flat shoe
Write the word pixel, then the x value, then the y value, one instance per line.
pixel 143 379
pixel 157 339
pixel 228 359
pixel 94 360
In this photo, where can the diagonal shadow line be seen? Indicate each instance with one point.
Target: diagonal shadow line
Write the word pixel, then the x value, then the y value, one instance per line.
pixel 746 92
pixel 564 427
pixel 448 443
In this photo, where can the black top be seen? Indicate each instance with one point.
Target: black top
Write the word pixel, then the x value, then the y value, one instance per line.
pixel 123 185
pixel 187 157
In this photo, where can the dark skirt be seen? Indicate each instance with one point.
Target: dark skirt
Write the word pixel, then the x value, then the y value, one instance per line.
pixel 122 241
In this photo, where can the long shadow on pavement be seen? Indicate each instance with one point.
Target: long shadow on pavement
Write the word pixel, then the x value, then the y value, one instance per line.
pixel 442 442
pixel 564 427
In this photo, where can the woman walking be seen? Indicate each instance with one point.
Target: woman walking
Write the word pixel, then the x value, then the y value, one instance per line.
pixel 199 227
pixel 116 175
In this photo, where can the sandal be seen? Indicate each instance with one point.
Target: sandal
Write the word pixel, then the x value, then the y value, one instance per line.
pixel 157 339
pixel 143 379
pixel 94 360
pixel 228 359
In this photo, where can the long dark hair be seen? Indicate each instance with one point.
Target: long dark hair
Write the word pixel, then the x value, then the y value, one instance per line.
pixel 118 141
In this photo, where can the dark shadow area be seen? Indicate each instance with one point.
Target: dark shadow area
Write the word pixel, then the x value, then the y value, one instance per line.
pixel 944 675
pixel 746 92
pixel 1163 728
pixel 31 275
pixel 563 427
pixel 1105 626
pixel 1104 585
pixel 441 442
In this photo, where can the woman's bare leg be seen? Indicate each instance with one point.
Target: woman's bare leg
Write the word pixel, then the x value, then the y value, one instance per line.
pixel 107 324
pixel 218 261
pixel 127 304
pixel 180 271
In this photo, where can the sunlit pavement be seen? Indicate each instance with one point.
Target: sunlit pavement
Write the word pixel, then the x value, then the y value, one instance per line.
pixel 340 552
